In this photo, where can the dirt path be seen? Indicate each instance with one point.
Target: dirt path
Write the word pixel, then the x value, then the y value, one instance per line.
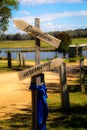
pixel 15 94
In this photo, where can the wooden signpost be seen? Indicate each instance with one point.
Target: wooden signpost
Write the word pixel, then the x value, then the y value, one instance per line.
pixel 51 65
pixel 36 32
pixel 36 80
pixel 35 72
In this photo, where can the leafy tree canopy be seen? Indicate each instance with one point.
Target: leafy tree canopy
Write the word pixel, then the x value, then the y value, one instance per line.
pixel 6 7
pixel 65 42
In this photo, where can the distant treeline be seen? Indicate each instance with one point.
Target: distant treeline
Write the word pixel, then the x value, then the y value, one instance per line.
pixel 17 36
pixel 78 33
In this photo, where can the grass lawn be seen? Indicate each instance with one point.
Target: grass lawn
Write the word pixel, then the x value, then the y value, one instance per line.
pixel 79 41
pixel 4 67
pixel 15 65
pixel 75 119
pixel 21 44
pixel 31 43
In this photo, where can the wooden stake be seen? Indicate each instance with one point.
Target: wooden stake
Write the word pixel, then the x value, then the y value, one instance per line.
pixel 82 75
pixel 64 88
pixel 9 59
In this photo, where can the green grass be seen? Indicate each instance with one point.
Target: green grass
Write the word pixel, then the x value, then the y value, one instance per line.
pixel 79 41
pixel 4 68
pixel 31 43
pixel 21 44
pixel 73 59
pixel 15 66
pixel 14 44
pixel 75 119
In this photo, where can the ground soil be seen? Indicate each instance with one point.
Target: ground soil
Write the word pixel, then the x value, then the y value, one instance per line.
pixel 15 94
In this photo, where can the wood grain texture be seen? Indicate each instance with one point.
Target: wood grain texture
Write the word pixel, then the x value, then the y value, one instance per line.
pixel 51 65
pixel 35 32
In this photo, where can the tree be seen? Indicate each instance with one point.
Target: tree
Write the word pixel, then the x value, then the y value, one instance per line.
pixel 9 37
pixel 65 42
pixel 6 7
pixel 18 36
pixel 2 37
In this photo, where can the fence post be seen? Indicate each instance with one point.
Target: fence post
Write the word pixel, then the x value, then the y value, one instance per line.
pixel 9 59
pixel 23 59
pixel 64 89
pixel 20 61
pixel 82 76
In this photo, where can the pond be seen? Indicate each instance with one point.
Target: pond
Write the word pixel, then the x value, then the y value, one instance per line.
pixel 43 55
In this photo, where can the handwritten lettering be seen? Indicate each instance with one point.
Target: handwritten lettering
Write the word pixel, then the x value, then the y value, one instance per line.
pixel 37 68
pixel 37 34
pixel 27 29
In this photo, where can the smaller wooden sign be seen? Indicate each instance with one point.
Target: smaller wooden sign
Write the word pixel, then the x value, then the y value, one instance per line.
pixel 51 65
pixel 35 32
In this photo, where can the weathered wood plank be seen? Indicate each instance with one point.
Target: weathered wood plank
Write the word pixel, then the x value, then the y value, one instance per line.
pixel 35 32
pixel 51 65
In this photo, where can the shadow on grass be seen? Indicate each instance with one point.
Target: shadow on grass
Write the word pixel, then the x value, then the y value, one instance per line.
pixel 76 118
pixel 18 68
pixel 85 78
pixel 18 121
pixel 74 88
pixel 57 119
pixel 13 68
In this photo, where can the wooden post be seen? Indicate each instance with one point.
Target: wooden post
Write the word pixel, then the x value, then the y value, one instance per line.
pixel 20 59
pixel 9 59
pixel 37 80
pixel 23 59
pixel 77 50
pixel 17 57
pixel 82 76
pixel 64 89
pixel 37 55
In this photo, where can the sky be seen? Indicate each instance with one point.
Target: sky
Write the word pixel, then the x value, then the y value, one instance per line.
pixel 54 15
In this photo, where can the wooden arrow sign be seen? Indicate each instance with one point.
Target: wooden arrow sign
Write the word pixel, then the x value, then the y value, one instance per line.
pixel 35 32
pixel 51 65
